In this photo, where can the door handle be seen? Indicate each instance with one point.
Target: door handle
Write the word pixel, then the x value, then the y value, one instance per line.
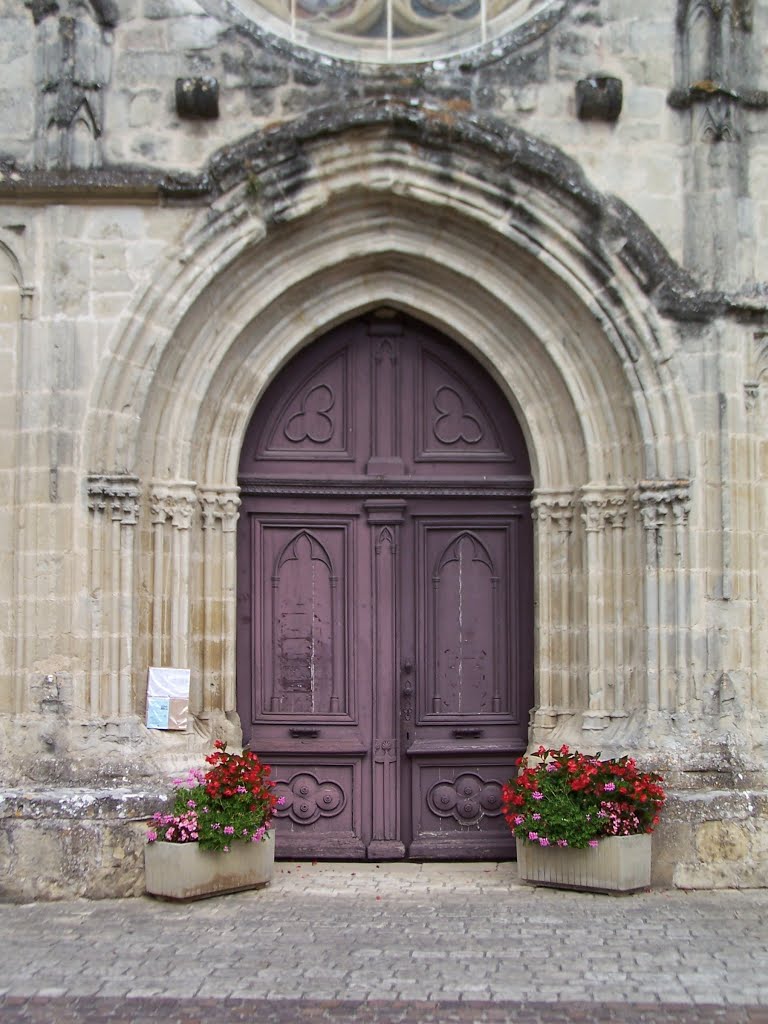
pixel 407 682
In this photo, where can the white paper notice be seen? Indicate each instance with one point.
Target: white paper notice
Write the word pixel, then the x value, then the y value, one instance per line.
pixel 168 698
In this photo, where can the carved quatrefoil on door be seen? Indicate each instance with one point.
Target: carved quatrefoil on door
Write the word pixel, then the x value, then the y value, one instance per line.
pixel 312 422
pixel 467 799
pixel 306 799
pixel 454 422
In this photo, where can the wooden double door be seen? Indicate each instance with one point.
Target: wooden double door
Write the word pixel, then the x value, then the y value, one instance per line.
pixel 385 596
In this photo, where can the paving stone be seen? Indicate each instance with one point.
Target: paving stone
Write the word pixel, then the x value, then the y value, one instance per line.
pixel 422 953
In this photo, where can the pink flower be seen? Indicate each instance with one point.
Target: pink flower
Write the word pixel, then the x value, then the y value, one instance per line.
pixel 543 841
pixel 536 817
pixel 229 830
pixel 562 842
pixel 151 835
pixel 593 842
pixel 519 819
pixel 537 796
pixel 533 836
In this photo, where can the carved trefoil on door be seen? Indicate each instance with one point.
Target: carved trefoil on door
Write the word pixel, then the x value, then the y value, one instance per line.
pixel 314 421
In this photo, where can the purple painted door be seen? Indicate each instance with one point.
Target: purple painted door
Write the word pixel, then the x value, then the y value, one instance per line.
pixel 385 596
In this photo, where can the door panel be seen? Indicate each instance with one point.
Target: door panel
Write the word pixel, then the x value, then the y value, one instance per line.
pixel 307 617
pixel 385 596
pixel 457 806
pixel 468 596
pixel 322 813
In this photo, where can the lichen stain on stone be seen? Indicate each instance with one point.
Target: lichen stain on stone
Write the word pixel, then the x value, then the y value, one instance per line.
pixel 721 840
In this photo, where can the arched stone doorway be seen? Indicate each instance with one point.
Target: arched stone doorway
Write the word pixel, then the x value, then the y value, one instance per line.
pixel 537 291
pixel 385 595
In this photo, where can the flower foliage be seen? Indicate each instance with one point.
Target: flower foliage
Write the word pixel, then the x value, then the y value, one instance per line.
pixel 232 801
pixel 565 798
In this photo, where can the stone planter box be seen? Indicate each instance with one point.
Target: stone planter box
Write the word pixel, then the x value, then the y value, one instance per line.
pixel 182 871
pixel 618 864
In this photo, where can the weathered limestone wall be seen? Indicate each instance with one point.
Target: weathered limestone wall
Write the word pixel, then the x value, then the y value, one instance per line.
pixel 156 272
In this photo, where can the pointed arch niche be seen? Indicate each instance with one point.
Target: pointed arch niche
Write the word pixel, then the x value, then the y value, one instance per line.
pixel 515 271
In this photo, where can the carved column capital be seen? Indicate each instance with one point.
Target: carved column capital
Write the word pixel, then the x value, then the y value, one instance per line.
pixel 175 502
pixel 681 507
pixel 220 505
pixel 117 492
pixel 602 507
pixel 593 511
pixel 556 507
pixel 661 500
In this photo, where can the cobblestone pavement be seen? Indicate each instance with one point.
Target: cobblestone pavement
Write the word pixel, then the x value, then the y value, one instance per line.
pixel 391 943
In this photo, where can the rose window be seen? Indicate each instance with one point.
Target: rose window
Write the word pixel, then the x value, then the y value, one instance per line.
pixel 394 31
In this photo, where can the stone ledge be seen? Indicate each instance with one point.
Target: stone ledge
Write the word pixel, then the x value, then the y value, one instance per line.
pixel 80 803
pixel 74 842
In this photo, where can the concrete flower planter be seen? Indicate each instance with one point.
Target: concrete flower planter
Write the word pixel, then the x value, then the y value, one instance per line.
pixel 182 871
pixel 618 864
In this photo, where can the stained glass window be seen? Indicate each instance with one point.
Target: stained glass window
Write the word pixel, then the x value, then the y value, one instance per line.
pixel 393 31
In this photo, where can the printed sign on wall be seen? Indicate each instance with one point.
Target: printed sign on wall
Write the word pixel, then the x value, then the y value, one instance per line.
pixel 168 698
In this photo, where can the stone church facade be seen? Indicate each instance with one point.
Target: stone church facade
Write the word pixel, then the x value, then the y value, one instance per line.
pixel 568 194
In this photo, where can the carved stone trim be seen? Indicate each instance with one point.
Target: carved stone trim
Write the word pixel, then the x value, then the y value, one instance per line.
pixel 658 500
pixel 383 490
pixel 220 505
pixel 174 502
pixel 603 507
pixel 120 494
pixel 556 507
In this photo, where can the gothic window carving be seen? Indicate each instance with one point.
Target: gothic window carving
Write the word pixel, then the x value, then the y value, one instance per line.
pixel 388 31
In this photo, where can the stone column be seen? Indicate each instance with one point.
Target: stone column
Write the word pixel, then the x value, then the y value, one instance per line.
pixel 593 506
pixel 173 507
pixel 114 502
pixel 757 475
pixel 553 514
pixel 616 518
pixel 663 507
pixel 603 509
pixel 680 509
pixel 220 509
